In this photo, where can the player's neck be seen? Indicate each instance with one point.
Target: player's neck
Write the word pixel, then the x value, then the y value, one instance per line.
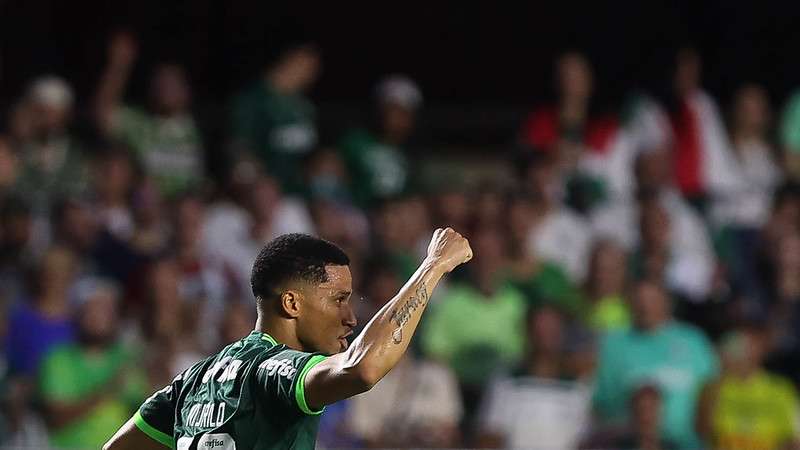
pixel 281 330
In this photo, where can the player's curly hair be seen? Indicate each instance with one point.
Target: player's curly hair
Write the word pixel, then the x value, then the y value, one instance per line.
pixel 293 256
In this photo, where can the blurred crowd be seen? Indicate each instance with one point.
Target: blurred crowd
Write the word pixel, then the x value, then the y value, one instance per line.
pixel 636 280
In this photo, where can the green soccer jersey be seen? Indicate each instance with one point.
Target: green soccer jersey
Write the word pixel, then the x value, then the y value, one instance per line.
pixel 249 396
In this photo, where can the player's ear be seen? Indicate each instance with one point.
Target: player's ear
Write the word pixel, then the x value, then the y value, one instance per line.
pixel 290 303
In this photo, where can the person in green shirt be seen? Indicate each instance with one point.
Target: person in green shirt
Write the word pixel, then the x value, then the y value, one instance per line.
pixel 164 137
pixel 674 356
pixel 748 408
pixel 453 335
pixel 89 387
pixel 608 310
pixel 267 390
pixel 376 158
pixel 274 121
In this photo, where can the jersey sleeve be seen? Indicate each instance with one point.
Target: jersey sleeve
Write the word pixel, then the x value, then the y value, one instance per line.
pixel 281 378
pixel 156 416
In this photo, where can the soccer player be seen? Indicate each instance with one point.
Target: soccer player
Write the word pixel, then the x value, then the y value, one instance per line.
pixel 266 391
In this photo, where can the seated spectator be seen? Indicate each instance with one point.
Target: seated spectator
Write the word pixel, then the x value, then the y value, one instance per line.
pixel 75 227
pixel 605 288
pixel 691 262
pixel 91 386
pixel 274 121
pixel 20 425
pixel 477 326
pixel 703 157
pixel 398 224
pixel 170 324
pixel 790 135
pixel 747 208
pixel 43 321
pixel 539 406
pixel 676 357
pixel 748 408
pixel 644 430
pixel 52 162
pixel 112 187
pixel 235 229
pixel 163 136
pixel 573 131
pixel 416 405
pixel 376 158
pixel 16 248
pixel 557 234
pixel 9 168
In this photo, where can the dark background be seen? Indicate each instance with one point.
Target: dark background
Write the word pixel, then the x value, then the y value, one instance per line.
pixel 478 64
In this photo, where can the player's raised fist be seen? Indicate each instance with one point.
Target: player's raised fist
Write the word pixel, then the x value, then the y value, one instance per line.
pixel 448 249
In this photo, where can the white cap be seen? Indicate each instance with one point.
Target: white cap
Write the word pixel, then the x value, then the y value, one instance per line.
pixel 399 90
pixel 51 90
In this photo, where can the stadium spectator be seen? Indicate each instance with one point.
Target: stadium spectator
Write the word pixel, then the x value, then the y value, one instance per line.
pixel 539 405
pixel 644 428
pixel 170 323
pixel 20 425
pixel 789 133
pixel 163 136
pixel 91 386
pixel 16 252
pixel 9 168
pixel 236 230
pixel 52 162
pixel 274 121
pixel 376 157
pixel 557 234
pixel 605 288
pixel 420 406
pixel 473 348
pixel 42 320
pixel 677 357
pixel 113 178
pixel 705 164
pixel 691 262
pixel 748 407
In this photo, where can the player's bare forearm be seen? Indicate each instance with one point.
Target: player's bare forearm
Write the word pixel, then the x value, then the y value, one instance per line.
pixel 385 339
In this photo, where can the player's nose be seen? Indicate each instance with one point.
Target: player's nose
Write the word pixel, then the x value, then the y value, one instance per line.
pixel 350 318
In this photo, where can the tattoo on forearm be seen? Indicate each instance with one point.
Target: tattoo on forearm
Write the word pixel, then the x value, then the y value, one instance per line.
pixel 401 315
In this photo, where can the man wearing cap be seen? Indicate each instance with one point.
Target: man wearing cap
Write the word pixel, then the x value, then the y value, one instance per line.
pixel 375 157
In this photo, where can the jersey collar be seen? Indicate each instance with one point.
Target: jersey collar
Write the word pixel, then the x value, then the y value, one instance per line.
pixel 265 337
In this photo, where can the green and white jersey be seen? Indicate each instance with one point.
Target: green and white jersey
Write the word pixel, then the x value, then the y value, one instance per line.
pixel 249 396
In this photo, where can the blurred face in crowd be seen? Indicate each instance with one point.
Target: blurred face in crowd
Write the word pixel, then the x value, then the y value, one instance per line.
pixel 646 405
pixel 650 306
pixel 687 73
pixel 520 220
pixel 789 253
pixel 190 216
pixel 17 228
pixel 546 330
pixel 147 204
pixel 743 351
pixel 97 317
pixel 382 285
pixel 574 77
pixel 654 226
pixel 8 164
pixel 169 90
pixel 489 207
pixel 298 70
pixel 654 169
pixel 490 252
pixel 608 270
pixel 542 179
pixel 50 118
pixel 265 196
pixel 453 208
pixel 77 226
pixel 751 113
pixel 113 177
pixel 58 268
pixel 397 122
